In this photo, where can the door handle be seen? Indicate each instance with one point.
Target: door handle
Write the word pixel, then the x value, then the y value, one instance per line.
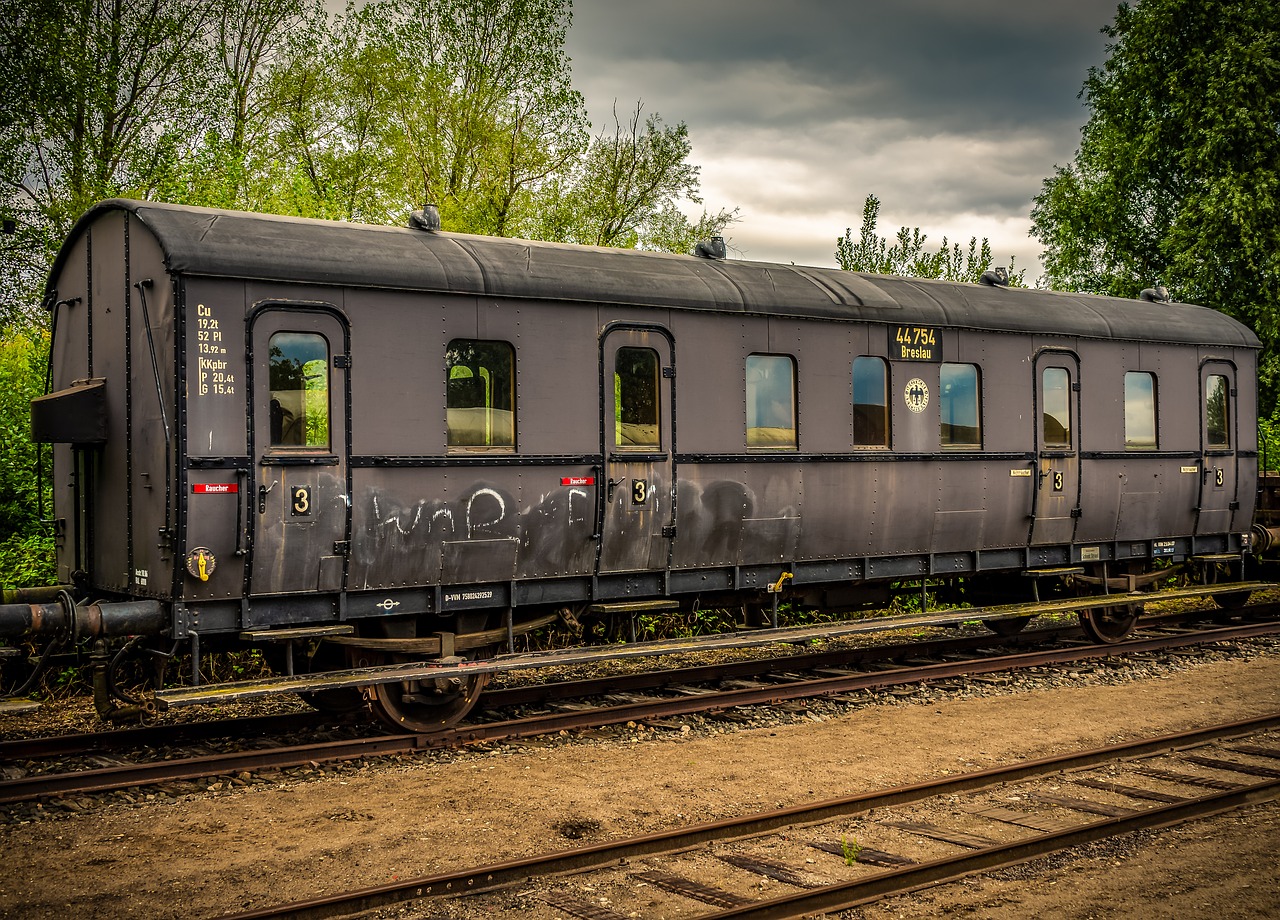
pixel 262 496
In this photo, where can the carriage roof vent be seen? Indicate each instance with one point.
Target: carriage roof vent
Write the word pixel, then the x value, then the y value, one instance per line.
pixel 426 219
pixel 713 248
pixel 1157 294
pixel 995 277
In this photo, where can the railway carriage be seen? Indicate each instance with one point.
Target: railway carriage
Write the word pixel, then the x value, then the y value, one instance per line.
pixel 356 446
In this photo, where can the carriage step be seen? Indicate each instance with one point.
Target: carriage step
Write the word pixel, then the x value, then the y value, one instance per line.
pixel 301 632
pixel 1218 557
pixel 634 607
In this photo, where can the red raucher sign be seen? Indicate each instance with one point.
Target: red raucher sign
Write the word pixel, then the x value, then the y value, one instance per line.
pixel 577 480
pixel 215 488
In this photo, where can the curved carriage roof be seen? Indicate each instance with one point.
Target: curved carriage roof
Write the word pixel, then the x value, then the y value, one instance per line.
pixel 236 244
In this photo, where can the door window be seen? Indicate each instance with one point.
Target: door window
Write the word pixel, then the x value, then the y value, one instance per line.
pixel 1217 405
pixel 1056 417
pixel 635 399
pixel 299 386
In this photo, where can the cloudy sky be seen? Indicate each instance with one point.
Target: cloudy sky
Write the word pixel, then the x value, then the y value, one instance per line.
pixel 952 112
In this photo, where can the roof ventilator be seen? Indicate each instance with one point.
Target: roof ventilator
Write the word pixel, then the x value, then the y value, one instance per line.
pixel 713 248
pixel 996 277
pixel 426 219
pixel 1157 294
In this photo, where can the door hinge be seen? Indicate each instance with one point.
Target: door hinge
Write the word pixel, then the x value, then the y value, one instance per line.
pixel 669 373
pixel 1077 512
pixel 342 547
pixel 669 531
pixel 343 361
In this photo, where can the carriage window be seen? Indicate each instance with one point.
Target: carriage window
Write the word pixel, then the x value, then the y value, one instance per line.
pixel 771 402
pixel 635 399
pixel 1216 411
pixel 870 403
pixel 960 405
pixel 299 383
pixel 1139 411
pixel 1056 418
pixel 481 382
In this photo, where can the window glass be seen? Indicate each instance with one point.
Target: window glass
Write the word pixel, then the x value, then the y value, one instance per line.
pixel 635 399
pixel 481 382
pixel 1139 411
pixel 960 405
pixel 771 402
pixel 1056 394
pixel 299 382
pixel 1216 411
pixel 870 403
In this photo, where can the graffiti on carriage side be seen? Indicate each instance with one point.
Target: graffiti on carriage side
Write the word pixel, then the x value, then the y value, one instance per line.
pixel 400 541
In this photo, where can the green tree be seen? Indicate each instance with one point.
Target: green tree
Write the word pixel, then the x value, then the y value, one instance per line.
pixel 907 254
pixel 26 549
pixel 481 110
pixel 624 191
pixel 1177 177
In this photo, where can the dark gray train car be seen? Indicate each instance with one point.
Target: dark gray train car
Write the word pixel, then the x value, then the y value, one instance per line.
pixel 270 427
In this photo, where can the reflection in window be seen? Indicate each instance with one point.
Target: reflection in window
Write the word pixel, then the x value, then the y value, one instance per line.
pixel 1139 411
pixel 870 403
pixel 1217 411
pixel 771 402
pixel 1056 419
pixel 959 405
pixel 481 382
pixel 635 398
pixel 299 382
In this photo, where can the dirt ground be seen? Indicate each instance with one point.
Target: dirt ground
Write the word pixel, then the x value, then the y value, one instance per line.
pixel 253 846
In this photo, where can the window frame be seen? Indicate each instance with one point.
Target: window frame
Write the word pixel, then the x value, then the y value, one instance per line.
pixel 656 400
pixel 752 404
pixel 306 414
pixel 946 400
pixel 489 407
pixel 885 414
pixel 1045 414
pixel 1225 443
pixel 1131 406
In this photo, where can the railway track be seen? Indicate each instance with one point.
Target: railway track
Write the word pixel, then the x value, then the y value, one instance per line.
pixel 876 844
pixel 618 701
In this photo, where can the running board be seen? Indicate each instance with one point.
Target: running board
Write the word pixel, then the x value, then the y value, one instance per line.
pixel 389 674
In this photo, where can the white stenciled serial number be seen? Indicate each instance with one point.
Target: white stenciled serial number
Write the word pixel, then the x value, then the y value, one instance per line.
pixel 469 596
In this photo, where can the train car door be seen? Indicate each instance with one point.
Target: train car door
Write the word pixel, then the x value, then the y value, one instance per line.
pixel 637 517
pixel 1056 503
pixel 300 505
pixel 1218 444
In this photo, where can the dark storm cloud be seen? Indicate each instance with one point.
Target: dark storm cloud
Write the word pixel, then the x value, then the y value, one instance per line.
pixel 952 113
pixel 957 62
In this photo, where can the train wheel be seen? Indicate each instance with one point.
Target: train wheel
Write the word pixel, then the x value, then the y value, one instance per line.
pixel 1109 624
pixel 1232 601
pixel 339 702
pixel 425 705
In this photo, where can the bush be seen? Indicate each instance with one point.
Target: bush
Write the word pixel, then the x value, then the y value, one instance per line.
pixel 26 545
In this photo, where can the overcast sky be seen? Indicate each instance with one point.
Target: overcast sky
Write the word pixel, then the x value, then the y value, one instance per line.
pixel 952 112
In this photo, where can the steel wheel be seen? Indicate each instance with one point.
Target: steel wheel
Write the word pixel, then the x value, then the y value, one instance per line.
pixel 424 705
pixel 1109 624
